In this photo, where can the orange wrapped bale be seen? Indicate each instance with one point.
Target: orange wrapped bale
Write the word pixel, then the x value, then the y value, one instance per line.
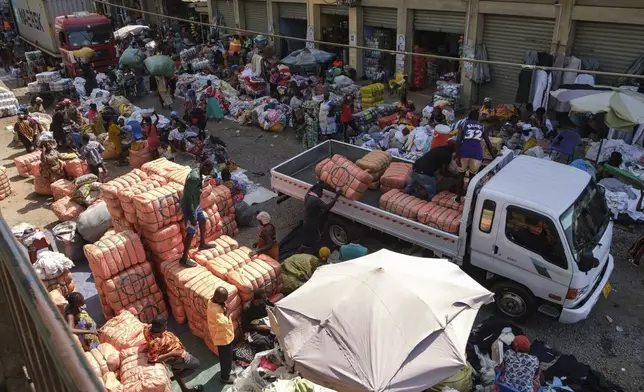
pixel 159 207
pixel 200 291
pixel 176 306
pixel 129 286
pixel 23 163
pixel 255 275
pixel 229 225
pixel 223 199
pixel 100 360
pixel 109 190
pixel 439 217
pixel 63 283
pixel 75 168
pixel 221 246
pixel 62 188
pixel 179 175
pixel 138 375
pixel 123 331
pixel 161 167
pixel 96 368
pixel 176 276
pixel 214 227
pixel 147 308
pixel 375 161
pixel 446 199
pixel 395 177
pixel 113 254
pixel 58 299
pixel 5 186
pixel 35 168
pixel 222 264
pixel 121 224
pixel 110 355
pixel 164 239
pixel 126 194
pixel 339 172
pixel 42 186
pixel 400 203
pixel 140 157
pixel 112 384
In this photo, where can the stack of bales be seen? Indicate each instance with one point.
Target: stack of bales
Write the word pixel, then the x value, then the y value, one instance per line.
pixel 124 278
pixel 109 191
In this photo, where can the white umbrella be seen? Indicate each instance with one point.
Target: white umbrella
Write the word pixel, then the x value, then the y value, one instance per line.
pixel 623 108
pixel 385 321
pixel 128 30
pixel 565 94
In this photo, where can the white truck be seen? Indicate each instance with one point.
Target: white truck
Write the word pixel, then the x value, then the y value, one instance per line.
pixel 536 233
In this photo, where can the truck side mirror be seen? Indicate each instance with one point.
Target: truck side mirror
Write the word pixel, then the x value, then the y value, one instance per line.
pixel 587 262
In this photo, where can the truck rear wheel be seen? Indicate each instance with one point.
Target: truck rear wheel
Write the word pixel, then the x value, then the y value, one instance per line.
pixel 513 300
pixel 341 231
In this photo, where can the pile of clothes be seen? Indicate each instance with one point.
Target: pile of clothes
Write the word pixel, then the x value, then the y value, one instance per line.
pixel 496 338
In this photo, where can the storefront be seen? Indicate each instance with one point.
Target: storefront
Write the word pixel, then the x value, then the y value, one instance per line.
pixel 334 20
pixel 256 16
pixel 379 33
pixel 292 24
pixel 507 39
pixel 225 10
pixel 435 32
pixel 615 46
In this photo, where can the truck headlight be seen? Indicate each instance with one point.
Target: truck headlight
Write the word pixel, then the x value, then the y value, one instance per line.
pixel 576 293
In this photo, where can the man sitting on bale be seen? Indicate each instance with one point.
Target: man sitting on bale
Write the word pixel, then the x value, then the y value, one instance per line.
pixel 255 322
pixel 192 213
pixel 164 346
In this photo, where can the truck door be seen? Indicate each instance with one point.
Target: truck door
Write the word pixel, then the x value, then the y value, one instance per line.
pixel 531 252
pixel 483 246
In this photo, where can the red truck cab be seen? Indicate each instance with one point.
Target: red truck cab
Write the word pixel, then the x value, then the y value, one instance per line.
pixel 84 29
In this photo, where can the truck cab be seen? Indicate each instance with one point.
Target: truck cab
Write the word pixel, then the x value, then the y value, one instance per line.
pixel 541 232
pixel 84 29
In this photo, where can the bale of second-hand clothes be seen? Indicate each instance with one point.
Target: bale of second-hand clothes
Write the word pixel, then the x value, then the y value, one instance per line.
pixel 402 204
pixel 395 177
pixel 339 172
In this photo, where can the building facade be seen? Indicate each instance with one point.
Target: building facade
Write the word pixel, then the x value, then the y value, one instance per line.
pixel 610 31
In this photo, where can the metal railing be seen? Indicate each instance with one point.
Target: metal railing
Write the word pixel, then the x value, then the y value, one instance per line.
pixel 53 359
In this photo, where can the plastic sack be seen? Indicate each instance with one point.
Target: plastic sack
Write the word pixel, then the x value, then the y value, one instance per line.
pixel 94 222
pixel 160 65
pixel 132 57
pixel 68 241
pixel 244 215
pixel 84 53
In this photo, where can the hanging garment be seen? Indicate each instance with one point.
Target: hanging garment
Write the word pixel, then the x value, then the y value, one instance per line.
pixel 574 64
pixel 636 68
pixel 531 57
pixel 589 64
pixel 525 85
pixel 481 72
pixel 541 82
pixel 545 59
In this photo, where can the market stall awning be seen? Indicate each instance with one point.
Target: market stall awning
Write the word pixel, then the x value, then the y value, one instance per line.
pixel 128 30
pixel 385 321
pixel 307 57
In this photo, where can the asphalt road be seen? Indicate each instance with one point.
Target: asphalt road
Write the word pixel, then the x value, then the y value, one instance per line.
pixel 615 348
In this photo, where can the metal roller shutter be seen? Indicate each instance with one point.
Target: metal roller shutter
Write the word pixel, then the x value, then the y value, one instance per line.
pixel 292 11
pixel 334 10
pixel 256 16
pixel 380 17
pixel 226 9
pixel 442 21
pixel 507 39
pixel 615 46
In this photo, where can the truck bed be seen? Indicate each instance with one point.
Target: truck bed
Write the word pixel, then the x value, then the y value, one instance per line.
pixel 295 176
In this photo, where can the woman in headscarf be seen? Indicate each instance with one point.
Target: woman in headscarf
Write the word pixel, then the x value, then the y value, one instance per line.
pixel 178 43
pixel 26 131
pixel 72 112
pixel 56 126
pixel 213 109
pixel 80 322
pixel 267 240
pixel 50 163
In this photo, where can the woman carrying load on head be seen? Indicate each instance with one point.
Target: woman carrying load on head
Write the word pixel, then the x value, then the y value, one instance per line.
pixel 51 168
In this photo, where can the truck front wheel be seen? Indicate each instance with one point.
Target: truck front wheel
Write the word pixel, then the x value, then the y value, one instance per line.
pixel 514 300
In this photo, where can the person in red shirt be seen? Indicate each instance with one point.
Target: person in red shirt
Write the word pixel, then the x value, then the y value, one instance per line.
pixel 149 128
pixel 346 117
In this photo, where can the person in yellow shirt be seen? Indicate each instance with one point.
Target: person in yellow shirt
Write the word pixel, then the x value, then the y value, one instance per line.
pixel 222 332
pixel 114 137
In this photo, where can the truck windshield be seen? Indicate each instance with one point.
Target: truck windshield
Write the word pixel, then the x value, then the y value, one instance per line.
pixel 80 36
pixel 586 220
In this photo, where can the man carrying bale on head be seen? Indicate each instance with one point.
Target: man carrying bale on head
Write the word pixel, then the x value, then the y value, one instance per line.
pixel 193 215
